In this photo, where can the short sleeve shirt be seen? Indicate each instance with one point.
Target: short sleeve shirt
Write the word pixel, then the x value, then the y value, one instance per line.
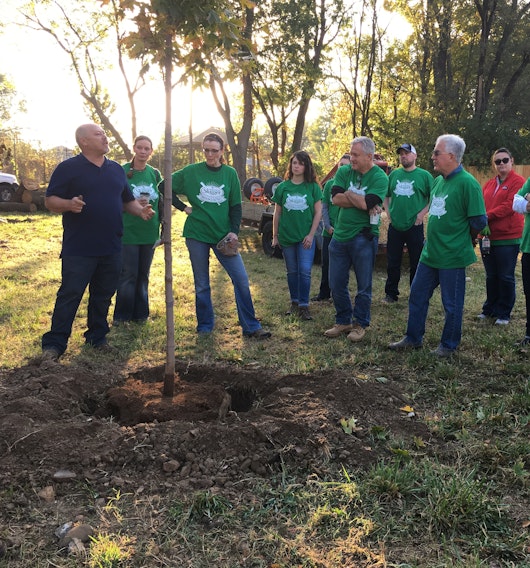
pixel 350 220
pixel 453 200
pixel 144 183
pixel 98 228
pixel 409 193
pixel 211 193
pixel 298 210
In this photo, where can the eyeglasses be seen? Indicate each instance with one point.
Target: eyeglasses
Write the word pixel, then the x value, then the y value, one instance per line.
pixel 502 161
pixel 210 150
pixel 438 153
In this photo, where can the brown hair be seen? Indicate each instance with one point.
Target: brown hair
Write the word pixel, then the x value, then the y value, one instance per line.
pixel 213 137
pixel 309 170
pixel 131 171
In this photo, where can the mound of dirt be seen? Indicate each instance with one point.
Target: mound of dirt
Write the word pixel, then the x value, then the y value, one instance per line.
pixel 223 424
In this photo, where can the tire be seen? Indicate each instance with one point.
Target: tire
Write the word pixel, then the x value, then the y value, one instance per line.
pixel 250 185
pixel 7 192
pixel 271 185
pixel 266 242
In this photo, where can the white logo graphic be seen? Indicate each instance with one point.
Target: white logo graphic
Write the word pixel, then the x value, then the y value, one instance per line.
pixel 211 193
pixel 405 188
pixel 144 190
pixel 357 188
pixel 296 202
pixel 438 206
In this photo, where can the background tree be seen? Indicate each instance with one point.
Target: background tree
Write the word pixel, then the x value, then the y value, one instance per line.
pixel 91 35
pixel 289 55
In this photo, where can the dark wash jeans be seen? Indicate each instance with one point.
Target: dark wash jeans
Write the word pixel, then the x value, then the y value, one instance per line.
pixel 132 298
pixel 101 275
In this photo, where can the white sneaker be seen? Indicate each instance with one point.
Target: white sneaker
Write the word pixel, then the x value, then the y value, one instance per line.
pixel 502 322
pixel 482 316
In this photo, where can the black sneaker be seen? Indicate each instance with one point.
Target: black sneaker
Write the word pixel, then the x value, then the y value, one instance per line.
pixel 50 355
pixel 259 334
pixel 304 313
pixel 525 342
pixel 389 300
pixel 293 309
pixel 320 299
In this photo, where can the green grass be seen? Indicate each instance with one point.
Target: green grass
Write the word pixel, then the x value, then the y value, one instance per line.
pixel 465 506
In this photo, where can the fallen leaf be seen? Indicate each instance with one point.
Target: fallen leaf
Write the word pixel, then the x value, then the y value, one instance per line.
pixel 407 408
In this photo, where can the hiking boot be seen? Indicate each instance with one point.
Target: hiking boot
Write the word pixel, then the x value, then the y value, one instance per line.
pixel 304 313
pixel 259 334
pixel 338 329
pixel 357 333
pixel 50 354
pixel 403 344
pixel 105 348
pixel 293 309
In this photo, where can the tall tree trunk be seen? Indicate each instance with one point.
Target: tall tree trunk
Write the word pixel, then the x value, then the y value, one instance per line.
pixel 169 374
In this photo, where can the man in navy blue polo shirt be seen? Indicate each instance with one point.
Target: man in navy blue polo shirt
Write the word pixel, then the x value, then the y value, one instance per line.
pixel 90 191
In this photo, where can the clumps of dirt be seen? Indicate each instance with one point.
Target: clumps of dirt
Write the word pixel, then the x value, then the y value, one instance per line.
pixel 223 424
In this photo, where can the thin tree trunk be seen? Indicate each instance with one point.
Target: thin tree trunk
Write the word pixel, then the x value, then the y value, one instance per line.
pixel 169 375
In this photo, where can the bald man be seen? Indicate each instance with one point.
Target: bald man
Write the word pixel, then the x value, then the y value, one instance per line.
pixel 91 192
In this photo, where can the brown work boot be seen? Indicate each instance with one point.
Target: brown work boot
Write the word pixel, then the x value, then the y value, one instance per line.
pixel 338 329
pixel 357 333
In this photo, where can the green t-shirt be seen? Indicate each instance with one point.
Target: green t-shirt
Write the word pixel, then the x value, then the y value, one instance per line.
pixel 525 242
pixel 298 209
pixel 333 210
pixel 136 231
pixel 210 192
pixel 409 193
pixel 350 220
pixel 453 200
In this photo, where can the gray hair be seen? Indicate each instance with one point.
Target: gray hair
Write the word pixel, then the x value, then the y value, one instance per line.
pixel 454 144
pixel 367 144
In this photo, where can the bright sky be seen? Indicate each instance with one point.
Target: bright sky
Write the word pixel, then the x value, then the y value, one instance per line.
pixel 42 76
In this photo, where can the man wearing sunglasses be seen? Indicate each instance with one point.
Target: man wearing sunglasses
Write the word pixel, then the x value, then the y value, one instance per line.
pixel 456 210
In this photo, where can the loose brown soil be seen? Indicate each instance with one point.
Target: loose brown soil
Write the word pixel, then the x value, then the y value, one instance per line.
pixel 224 423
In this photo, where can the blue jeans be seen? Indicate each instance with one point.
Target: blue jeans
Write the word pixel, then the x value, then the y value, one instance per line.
pixel 396 240
pixel 101 275
pixel 500 280
pixel 132 297
pixel 299 261
pixel 200 263
pixel 452 282
pixel 360 254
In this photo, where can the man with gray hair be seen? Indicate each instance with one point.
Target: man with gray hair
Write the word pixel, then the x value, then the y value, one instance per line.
pixel 456 215
pixel 358 190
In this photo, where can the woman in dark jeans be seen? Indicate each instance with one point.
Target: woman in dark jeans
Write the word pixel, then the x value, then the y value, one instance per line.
pixel 504 229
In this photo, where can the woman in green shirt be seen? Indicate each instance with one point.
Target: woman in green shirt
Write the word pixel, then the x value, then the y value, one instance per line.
pixel 297 214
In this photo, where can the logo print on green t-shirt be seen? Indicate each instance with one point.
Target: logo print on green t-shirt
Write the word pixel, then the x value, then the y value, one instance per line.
pixel 296 202
pixel 405 188
pixel 211 193
pixel 357 188
pixel 144 190
pixel 438 206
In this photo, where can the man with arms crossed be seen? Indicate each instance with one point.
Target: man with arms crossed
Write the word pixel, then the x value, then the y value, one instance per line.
pixel 359 190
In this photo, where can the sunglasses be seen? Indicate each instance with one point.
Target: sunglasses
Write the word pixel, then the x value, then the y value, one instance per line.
pixel 501 161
